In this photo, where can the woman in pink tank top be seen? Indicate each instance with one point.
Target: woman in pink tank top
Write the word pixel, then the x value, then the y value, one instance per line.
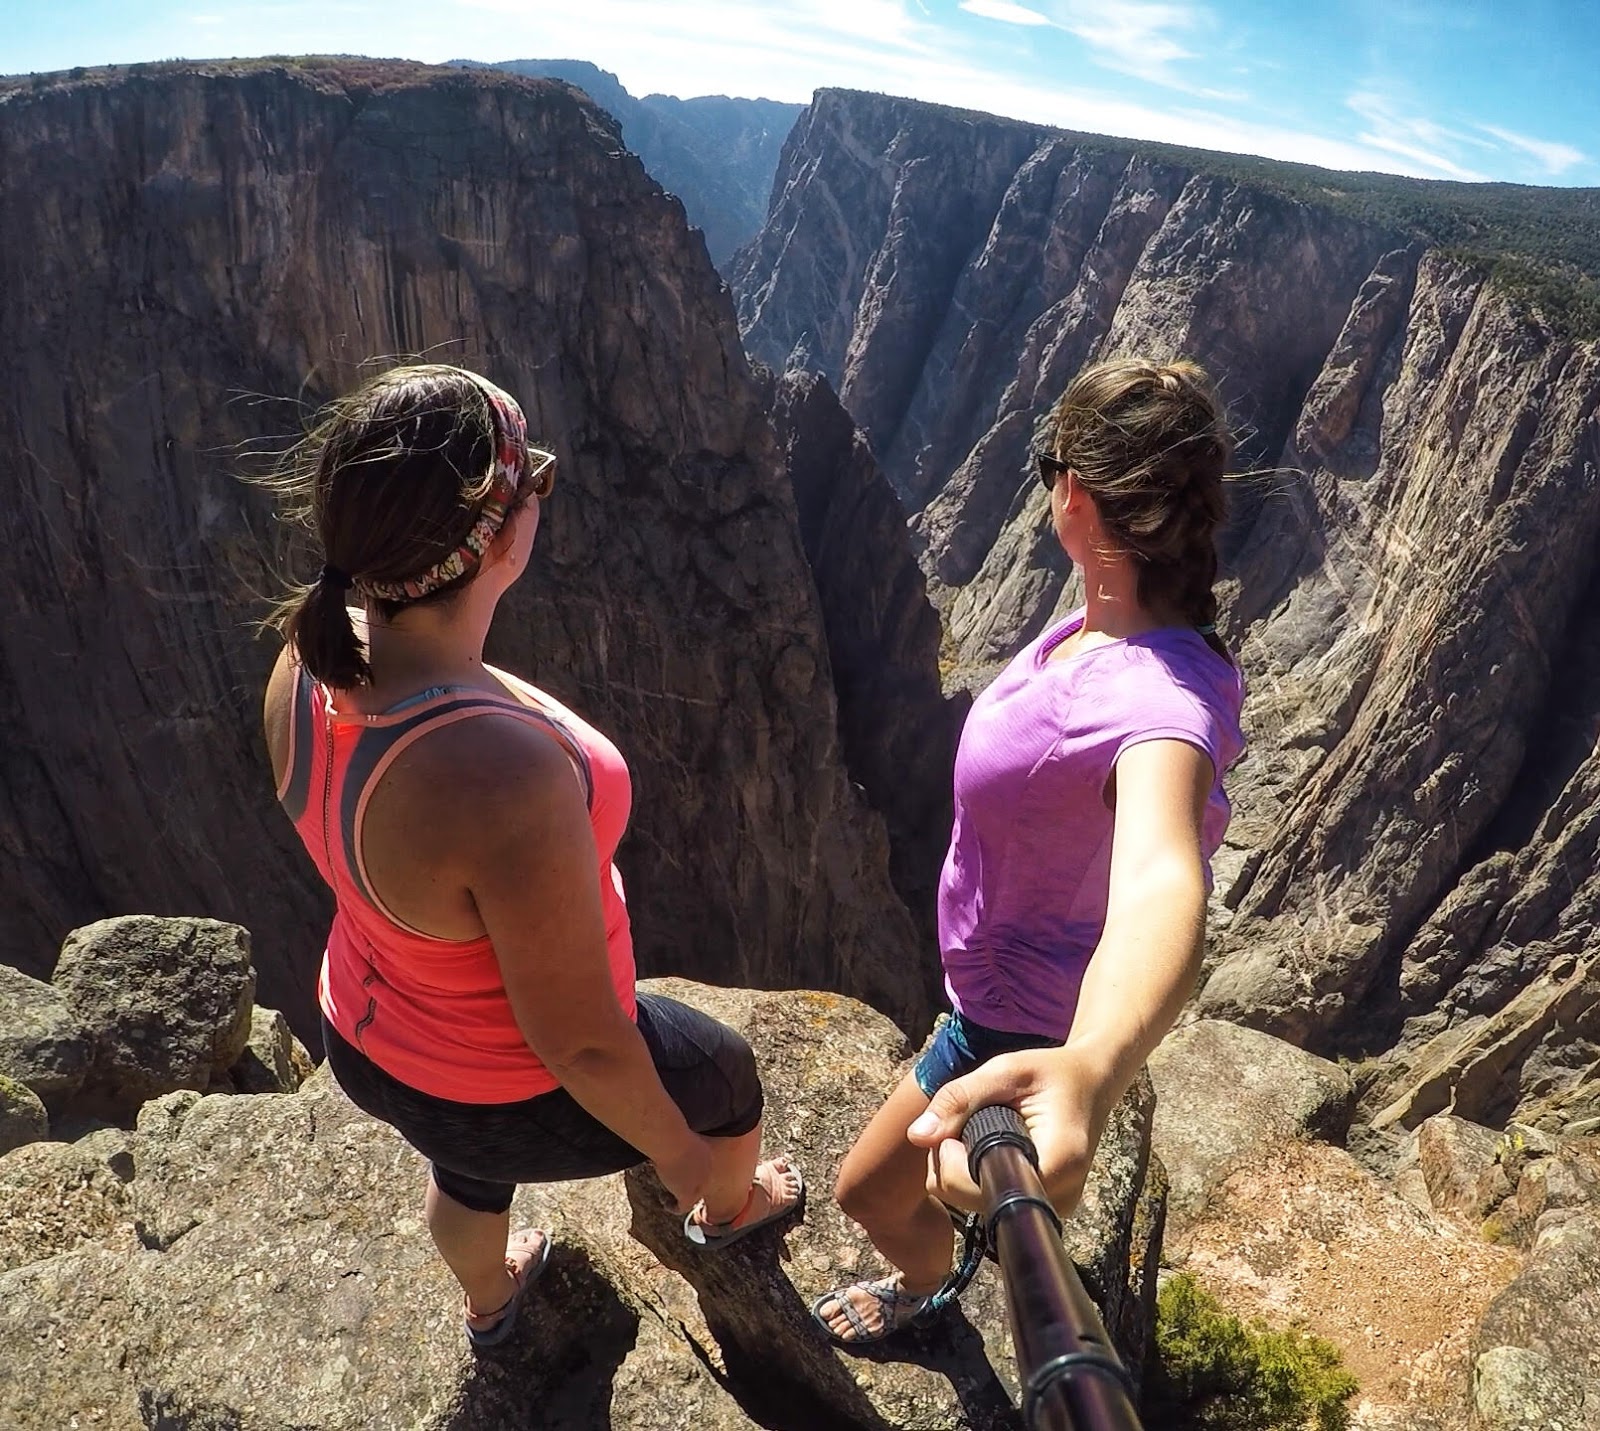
pixel 477 990
pixel 1088 804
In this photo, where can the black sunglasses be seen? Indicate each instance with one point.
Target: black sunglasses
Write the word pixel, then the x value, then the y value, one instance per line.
pixel 1049 468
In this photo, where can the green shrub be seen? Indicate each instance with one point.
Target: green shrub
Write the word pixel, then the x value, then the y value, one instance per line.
pixel 1211 1372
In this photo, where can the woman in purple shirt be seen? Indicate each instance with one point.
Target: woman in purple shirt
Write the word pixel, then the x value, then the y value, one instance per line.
pixel 1088 804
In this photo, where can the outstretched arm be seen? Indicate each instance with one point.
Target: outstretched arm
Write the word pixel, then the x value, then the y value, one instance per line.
pixel 1143 969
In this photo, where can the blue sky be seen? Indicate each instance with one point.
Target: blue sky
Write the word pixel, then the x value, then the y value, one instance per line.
pixel 1462 89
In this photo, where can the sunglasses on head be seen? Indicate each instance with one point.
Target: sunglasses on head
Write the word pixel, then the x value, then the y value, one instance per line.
pixel 1049 468
pixel 541 478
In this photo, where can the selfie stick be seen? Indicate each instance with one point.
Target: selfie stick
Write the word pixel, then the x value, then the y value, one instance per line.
pixel 1072 1379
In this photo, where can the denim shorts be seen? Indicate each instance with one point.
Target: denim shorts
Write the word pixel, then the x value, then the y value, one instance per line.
pixel 959 1045
pixel 481 1151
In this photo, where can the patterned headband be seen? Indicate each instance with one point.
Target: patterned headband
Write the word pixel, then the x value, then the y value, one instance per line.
pixel 514 463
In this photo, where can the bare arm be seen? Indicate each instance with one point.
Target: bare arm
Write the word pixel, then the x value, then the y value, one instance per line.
pixel 530 863
pixel 1143 969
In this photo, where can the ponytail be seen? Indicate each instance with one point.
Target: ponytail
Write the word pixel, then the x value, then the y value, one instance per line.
pixel 316 622
pixel 402 483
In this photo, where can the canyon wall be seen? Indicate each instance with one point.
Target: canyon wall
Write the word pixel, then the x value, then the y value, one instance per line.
pixel 192 258
pixel 1410 869
pixel 714 152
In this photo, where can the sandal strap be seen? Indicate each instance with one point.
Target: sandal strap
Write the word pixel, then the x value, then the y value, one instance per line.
pixel 466 1301
pixel 889 1295
pixel 749 1198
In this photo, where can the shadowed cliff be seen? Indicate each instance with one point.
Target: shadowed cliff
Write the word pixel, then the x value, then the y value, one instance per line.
pixel 178 244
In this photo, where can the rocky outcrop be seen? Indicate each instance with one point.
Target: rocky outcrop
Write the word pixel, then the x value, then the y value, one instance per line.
pixel 165 1002
pixel 715 153
pixel 1536 1363
pixel 42 1045
pixel 1453 1155
pixel 273 1059
pixel 1223 1093
pixel 262 1263
pixel 897 729
pixel 225 242
pixel 1301 1235
pixel 141 1008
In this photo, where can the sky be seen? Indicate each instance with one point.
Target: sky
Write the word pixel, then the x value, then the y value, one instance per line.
pixel 1441 89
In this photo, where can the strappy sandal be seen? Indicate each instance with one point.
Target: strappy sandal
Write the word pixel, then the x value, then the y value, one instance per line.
pixel 720 1234
pixel 898 1310
pixel 524 1274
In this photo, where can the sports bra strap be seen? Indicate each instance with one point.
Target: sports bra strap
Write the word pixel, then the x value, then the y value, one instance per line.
pixel 380 745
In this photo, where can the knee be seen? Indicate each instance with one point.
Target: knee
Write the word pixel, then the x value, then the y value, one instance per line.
pixel 862 1196
pixel 744 1081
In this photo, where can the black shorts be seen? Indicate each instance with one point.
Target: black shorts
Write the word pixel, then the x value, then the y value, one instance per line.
pixel 481 1151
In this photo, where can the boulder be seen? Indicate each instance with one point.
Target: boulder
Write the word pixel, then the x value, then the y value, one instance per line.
pixel 1514 1389
pixel 274 1060
pixel 1537 1360
pixel 1224 1092
pixel 166 1003
pixel 269 1268
pixel 22 1116
pixel 1453 1155
pixel 41 1043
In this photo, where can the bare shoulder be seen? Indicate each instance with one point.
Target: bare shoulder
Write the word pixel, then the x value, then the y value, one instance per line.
pixel 275 710
pixel 481 783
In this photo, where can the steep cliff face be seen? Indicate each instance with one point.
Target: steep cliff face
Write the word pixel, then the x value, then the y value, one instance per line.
pixel 716 153
pixel 1410 867
pixel 179 244
pixel 952 271
pixel 897 729
pixel 1422 816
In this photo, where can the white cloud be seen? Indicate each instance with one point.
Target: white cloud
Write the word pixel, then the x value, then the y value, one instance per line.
pixel 1556 157
pixel 787 51
pixel 1143 38
pixel 1412 137
pixel 1004 10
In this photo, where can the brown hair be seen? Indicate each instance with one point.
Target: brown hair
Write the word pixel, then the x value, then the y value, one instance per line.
pixel 390 479
pixel 1149 442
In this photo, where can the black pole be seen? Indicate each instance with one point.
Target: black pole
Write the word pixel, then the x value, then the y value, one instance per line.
pixel 1072 1378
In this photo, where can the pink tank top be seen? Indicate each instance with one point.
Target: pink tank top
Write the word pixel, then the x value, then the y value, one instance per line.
pixel 433 1012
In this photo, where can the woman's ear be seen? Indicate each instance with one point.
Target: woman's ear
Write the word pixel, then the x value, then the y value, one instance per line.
pixel 1071 491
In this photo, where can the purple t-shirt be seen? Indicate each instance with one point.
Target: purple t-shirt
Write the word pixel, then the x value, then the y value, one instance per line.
pixel 1022 898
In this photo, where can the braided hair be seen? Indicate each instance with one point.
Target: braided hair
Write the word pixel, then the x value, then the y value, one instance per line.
pixel 1149 443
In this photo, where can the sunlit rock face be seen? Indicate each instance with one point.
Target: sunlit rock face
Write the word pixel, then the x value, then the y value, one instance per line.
pixel 1409 582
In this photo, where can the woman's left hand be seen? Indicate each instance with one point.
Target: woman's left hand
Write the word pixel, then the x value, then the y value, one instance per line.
pixel 1060 1100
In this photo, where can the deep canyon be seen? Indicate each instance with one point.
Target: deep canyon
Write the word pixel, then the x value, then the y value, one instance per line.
pixel 794 528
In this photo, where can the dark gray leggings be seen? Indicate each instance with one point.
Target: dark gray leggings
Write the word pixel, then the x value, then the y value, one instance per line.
pixel 481 1151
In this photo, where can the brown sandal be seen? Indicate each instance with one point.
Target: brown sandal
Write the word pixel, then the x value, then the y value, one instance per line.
pixel 720 1234
pixel 524 1274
